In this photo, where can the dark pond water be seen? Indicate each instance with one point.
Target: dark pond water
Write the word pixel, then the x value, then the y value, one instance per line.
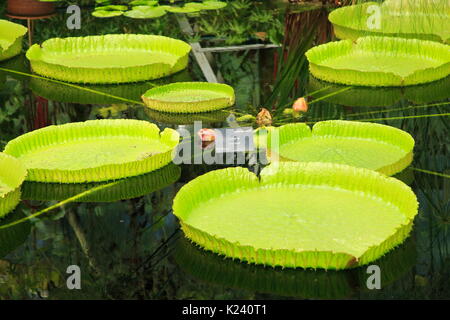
pixel 134 249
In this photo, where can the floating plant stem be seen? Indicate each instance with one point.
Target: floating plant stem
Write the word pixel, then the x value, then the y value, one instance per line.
pixel 431 172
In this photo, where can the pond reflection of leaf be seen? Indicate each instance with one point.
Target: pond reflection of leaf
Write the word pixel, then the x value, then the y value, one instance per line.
pixel 12 237
pixel 318 284
pixel 128 188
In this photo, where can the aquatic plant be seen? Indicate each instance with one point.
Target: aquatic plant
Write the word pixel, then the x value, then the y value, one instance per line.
pixel 96 150
pixel 308 215
pixel 189 97
pixel 12 175
pixel 380 61
pixel 11 35
pixel 420 19
pixel 102 59
pixel 345 142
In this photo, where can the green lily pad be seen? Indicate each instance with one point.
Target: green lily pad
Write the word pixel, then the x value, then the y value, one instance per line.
pixel 308 215
pixel 106 13
pixel 145 12
pixel 118 58
pixel 189 97
pixel 112 8
pixel 128 188
pixel 213 5
pixel 380 61
pixel 143 3
pixel 11 35
pixel 344 142
pixel 12 175
pixel 185 9
pixel 420 19
pixel 96 150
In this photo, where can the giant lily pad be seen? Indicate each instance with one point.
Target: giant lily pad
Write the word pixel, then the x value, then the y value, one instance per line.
pixel 128 188
pixel 308 215
pixel 11 35
pixel 420 19
pixel 189 97
pixel 110 58
pixel 380 61
pixel 12 175
pixel 360 144
pixel 96 150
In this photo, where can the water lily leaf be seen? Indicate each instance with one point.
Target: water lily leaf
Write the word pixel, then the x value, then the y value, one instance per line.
pixel 183 9
pixel 11 35
pixel 308 215
pixel 420 19
pixel 380 61
pixel 106 13
pixel 111 8
pixel 189 97
pixel 144 12
pixel 12 175
pixel 143 3
pixel 344 142
pixel 97 150
pixel 213 5
pixel 111 58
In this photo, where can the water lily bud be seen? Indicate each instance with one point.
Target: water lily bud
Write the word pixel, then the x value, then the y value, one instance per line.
pixel 207 135
pixel 300 105
pixel 264 118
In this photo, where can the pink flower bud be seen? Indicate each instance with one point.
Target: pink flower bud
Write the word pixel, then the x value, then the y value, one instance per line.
pixel 207 135
pixel 300 105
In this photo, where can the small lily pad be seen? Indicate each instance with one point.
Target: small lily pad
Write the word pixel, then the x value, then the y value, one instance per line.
pixel 213 5
pixel 96 150
pixel 308 215
pixel 143 3
pixel 112 8
pixel 189 97
pixel 106 13
pixel 145 12
pixel 185 9
pixel 344 142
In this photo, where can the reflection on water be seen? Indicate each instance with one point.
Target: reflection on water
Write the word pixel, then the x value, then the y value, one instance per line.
pixel 128 188
pixel 379 97
pixel 310 284
pixel 128 243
